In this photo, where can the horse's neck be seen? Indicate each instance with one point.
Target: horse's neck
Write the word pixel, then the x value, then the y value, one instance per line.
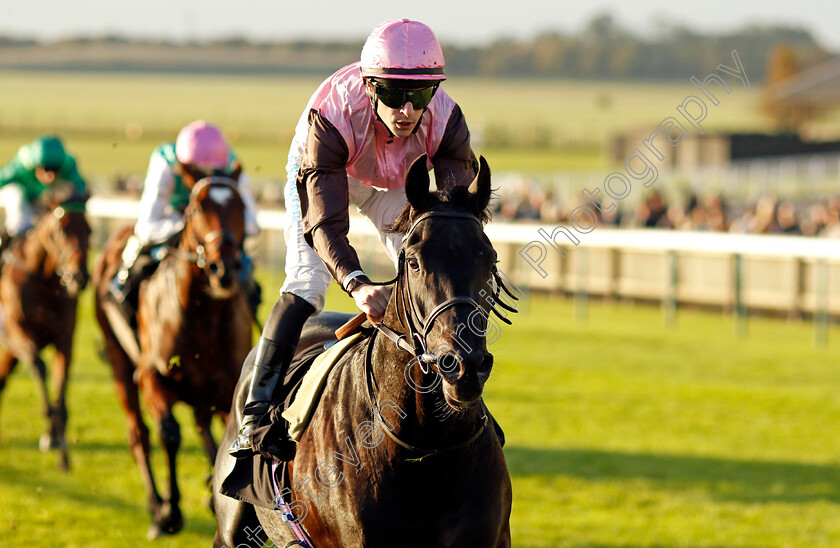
pixel 182 270
pixel 35 255
pixel 424 418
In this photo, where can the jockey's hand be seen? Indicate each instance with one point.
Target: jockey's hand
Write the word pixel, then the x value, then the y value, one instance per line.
pixel 372 299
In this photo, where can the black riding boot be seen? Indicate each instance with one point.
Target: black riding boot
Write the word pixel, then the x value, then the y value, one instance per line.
pixel 274 353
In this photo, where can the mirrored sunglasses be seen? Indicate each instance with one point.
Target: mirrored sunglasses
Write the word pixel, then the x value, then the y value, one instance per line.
pixel 397 97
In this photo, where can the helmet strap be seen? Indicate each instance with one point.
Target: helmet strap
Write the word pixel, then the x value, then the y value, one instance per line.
pixel 374 103
pixel 419 121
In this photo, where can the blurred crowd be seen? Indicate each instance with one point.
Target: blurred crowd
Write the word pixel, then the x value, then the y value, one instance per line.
pixel 767 215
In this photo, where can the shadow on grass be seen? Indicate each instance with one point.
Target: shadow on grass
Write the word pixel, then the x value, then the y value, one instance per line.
pixel 729 480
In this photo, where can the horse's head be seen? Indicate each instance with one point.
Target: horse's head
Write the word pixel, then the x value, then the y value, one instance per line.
pixel 214 233
pixel 65 233
pixel 447 272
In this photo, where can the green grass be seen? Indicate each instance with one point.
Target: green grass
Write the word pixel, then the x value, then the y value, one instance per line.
pixel 547 125
pixel 624 433
pixel 620 432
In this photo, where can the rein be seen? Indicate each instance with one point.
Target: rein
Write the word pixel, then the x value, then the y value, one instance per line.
pixel 418 329
pixel 421 451
pixel 47 239
pixel 199 255
pixel 418 333
pixel 61 256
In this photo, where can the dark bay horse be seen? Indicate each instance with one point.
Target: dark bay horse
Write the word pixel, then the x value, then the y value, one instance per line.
pixel 398 452
pixel 193 332
pixel 44 273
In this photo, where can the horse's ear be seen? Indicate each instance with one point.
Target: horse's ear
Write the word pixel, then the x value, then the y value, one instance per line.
pixel 480 187
pixel 417 184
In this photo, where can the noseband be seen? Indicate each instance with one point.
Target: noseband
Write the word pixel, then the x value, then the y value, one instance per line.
pixel 199 256
pixel 419 329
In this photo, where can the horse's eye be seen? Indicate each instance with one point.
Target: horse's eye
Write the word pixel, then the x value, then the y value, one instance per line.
pixel 413 264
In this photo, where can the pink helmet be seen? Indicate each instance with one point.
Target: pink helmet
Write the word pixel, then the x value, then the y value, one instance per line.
pixel 202 144
pixel 402 50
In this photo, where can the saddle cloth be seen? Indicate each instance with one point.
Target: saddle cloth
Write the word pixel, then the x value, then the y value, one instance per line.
pixel 250 480
pixel 306 399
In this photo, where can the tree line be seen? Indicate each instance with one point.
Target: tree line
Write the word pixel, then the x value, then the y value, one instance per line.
pixel 603 49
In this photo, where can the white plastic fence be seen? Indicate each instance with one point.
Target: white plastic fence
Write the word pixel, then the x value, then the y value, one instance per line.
pixel 789 274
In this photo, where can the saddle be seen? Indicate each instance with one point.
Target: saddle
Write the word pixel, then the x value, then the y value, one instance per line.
pixel 250 480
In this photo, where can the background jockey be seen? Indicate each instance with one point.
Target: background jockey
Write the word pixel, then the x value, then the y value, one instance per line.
pixel 28 175
pixel 358 135
pixel 199 151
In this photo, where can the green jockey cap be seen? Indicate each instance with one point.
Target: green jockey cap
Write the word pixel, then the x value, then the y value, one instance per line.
pixel 46 152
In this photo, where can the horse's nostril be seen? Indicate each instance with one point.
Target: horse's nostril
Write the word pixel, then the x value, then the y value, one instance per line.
pixel 214 268
pixel 448 363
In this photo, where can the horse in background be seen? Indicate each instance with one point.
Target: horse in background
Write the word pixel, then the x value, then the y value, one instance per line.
pixel 193 333
pixel 43 273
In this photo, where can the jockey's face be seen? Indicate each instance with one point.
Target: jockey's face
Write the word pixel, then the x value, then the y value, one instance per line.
pixel 402 118
pixel 46 177
pixel 197 172
pixel 400 121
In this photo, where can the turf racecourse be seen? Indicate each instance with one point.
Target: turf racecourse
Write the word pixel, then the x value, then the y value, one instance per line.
pixel 112 121
pixel 620 432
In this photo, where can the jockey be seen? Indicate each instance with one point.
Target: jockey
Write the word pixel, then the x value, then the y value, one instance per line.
pixel 199 151
pixel 28 175
pixel 354 143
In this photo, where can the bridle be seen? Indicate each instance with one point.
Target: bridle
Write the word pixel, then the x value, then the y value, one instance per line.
pixel 417 330
pixel 211 241
pixel 50 239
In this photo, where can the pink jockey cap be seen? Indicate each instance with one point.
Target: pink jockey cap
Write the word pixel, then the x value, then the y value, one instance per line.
pixel 403 50
pixel 202 144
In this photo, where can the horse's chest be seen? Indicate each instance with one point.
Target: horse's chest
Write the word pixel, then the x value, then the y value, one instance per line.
pixel 405 505
pixel 43 308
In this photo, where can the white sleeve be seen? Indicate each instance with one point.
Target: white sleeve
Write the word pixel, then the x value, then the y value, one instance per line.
pixel 155 220
pixel 251 226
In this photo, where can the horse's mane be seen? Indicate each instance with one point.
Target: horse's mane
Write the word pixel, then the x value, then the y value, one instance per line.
pixel 456 198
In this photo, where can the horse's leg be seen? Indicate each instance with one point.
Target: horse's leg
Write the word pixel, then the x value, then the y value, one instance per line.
pixel 138 433
pixel 58 415
pixel 27 351
pixel 203 421
pixel 7 365
pixel 40 369
pixel 160 401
